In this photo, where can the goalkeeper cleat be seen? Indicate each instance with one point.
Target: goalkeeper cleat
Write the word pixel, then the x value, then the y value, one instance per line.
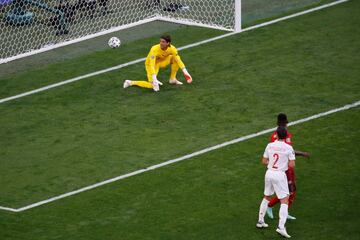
pixel 269 213
pixel 289 217
pixel 175 82
pixel 262 225
pixel 127 84
pixel 283 232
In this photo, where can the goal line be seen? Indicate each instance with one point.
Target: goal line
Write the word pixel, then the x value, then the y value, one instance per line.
pixel 72 80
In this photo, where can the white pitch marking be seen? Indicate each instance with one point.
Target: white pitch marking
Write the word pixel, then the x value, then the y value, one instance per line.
pixel 8 209
pixel 188 156
pixel 181 48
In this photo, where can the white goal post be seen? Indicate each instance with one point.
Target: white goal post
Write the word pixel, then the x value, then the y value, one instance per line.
pixel 29 27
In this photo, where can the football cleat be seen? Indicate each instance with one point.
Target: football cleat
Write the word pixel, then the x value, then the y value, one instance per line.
pixel 261 225
pixel 175 82
pixel 127 83
pixel 283 232
pixel 289 217
pixel 269 213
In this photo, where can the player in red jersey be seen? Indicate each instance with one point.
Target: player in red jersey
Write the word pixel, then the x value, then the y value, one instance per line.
pixel 290 173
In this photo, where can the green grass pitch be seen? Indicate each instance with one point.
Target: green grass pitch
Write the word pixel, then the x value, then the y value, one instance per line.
pixel 79 134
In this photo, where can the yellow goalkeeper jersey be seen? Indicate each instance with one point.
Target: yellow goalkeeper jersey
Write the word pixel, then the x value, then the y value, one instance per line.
pixel 156 54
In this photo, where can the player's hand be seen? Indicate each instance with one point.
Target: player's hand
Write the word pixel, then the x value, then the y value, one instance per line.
pixel 188 79
pixel 306 154
pixel 187 76
pixel 156 81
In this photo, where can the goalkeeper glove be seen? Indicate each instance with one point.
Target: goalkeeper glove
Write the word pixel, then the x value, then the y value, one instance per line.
pixel 155 83
pixel 187 76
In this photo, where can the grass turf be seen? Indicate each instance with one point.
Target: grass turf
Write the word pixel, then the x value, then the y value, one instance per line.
pixel 39 75
pixel 214 196
pixel 86 132
pixel 82 133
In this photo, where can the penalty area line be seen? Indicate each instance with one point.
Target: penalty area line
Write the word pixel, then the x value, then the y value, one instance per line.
pixel 185 157
pixel 72 80
pixel 8 209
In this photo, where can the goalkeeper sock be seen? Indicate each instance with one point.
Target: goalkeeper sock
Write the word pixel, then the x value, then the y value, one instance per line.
pixel 143 84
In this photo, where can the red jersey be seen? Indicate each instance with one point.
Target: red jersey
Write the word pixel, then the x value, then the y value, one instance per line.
pixel 290 173
pixel 274 137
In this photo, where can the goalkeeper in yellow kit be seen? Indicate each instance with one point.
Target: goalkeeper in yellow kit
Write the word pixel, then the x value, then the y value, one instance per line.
pixel 160 56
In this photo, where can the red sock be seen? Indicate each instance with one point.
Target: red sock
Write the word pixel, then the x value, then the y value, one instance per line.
pixel 291 198
pixel 273 201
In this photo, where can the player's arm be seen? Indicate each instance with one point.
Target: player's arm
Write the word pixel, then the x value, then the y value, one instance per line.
pixel 265 161
pixel 265 157
pixel 177 57
pixel 292 163
pixel 302 154
pixel 151 62
pixel 292 158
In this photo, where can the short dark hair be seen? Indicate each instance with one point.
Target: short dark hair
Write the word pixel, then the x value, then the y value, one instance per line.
pixel 281 132
pixel 167 38
pixel 282 119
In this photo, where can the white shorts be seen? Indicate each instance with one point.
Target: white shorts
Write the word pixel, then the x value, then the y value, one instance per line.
pixel 276 181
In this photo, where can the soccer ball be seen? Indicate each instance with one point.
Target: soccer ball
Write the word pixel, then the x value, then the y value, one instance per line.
pixel 114 42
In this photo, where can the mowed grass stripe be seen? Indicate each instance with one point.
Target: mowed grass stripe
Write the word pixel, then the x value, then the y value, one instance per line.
pixel 215 196
pixel 169 162
pixel 85 133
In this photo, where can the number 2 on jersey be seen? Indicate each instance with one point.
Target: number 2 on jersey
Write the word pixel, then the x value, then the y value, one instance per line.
pixel 276 156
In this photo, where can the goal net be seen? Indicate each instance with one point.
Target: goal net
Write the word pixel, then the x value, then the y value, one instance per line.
pixel 28 27
pixel 33 26
pixel 214 14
